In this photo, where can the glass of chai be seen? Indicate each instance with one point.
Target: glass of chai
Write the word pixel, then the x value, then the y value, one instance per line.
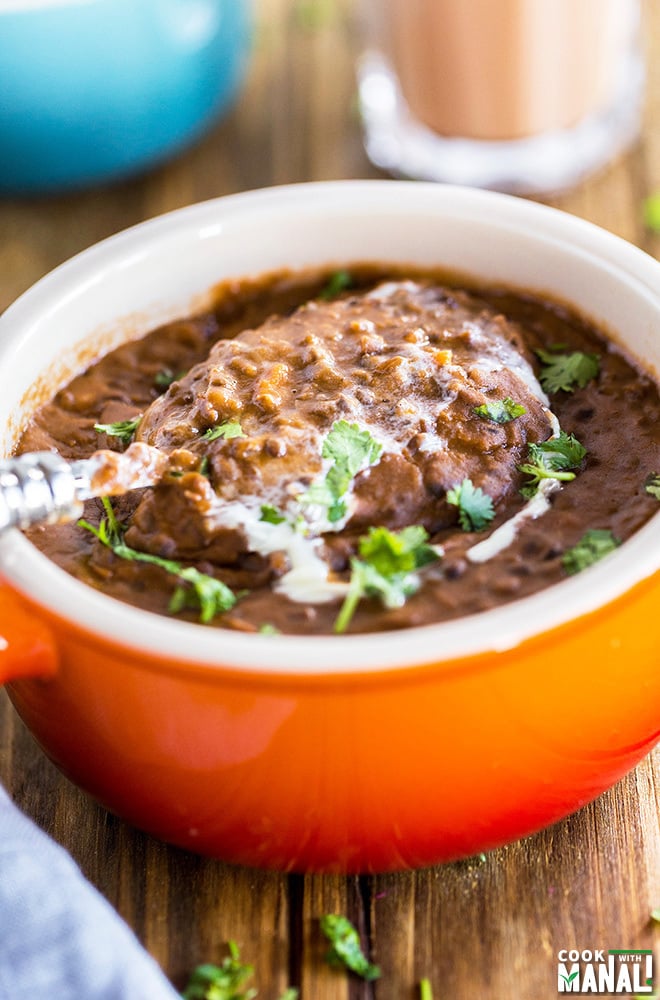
pixel 526 96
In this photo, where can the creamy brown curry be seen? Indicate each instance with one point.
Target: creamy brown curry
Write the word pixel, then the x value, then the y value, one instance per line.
pixel 357 451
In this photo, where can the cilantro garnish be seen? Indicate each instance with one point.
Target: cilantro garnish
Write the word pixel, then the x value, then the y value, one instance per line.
pixel 351 450
pixel 197 589
pixel 221 982
pixel 228 430
pixel 272 515
pixel 475 508
pixel 652 485
pixel 337 283
pixel 123 429
pixel 552 459
pixel 268 629
pixel 594 544
pixel 345 949
pixel 164 378
pixel 501 411
pixel 386 569
pixel 565 371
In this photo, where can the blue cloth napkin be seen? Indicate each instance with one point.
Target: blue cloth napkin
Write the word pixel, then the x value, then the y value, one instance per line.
pixel 59 938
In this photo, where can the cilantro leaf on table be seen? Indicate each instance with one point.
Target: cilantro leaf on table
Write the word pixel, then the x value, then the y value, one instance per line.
pixel 556 458
pixel 594 544
pixel 351 450
pixel 196 589
pixel 314 15
pixel 122 429
pixel 562 372
pixel 652 485
pixel 386 569
pixel 345 948
pixel 221 982
pixel 230 429
pixel 475 508
pixel 500 411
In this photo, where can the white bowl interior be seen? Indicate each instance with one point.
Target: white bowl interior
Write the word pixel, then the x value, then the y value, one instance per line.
pixel 165 268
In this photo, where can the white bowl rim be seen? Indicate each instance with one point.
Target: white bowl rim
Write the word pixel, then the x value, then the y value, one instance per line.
pixel 496 631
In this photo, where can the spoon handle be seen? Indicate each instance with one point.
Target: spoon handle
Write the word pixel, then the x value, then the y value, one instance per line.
pixel 41 487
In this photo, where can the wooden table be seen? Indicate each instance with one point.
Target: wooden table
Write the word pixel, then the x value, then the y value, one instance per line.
pixel 488 927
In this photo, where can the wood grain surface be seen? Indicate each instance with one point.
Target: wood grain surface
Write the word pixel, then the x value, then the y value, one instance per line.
pixel 488 927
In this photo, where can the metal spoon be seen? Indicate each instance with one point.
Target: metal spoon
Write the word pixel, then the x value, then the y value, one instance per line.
pixel 43 488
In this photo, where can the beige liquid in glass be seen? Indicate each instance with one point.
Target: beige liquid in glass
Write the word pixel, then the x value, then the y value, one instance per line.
pixel 500 70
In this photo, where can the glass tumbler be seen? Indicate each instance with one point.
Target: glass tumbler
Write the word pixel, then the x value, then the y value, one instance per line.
pixel 518 95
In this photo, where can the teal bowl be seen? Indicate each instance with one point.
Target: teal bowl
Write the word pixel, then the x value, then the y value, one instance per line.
pixel 96 90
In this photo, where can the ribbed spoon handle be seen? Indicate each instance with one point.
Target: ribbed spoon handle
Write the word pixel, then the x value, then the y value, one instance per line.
pixel 41 487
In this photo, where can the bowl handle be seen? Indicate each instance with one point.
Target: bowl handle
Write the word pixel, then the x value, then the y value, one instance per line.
pixel 27 645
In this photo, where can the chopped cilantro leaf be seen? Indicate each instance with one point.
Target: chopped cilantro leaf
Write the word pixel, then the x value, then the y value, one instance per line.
pixel 335 485
pixel 386 569
pixel 345 949
pixel 221 982
pixel 366 581
pixel 475 508
pixel 562 372
pixel 327 493
pixel 164 378
pixel 337 283
pixel 123 429
pixel 500 411
pixel 197 589
pixel 594 544
pixel 351 450
pixel 652 485
pixel 392 552
pixel 268 629
pixel 211 596
pixel 552 459
pixel 272 515
pixel 228 430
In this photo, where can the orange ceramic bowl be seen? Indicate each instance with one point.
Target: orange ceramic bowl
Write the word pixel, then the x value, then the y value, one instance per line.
pixel 347 753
